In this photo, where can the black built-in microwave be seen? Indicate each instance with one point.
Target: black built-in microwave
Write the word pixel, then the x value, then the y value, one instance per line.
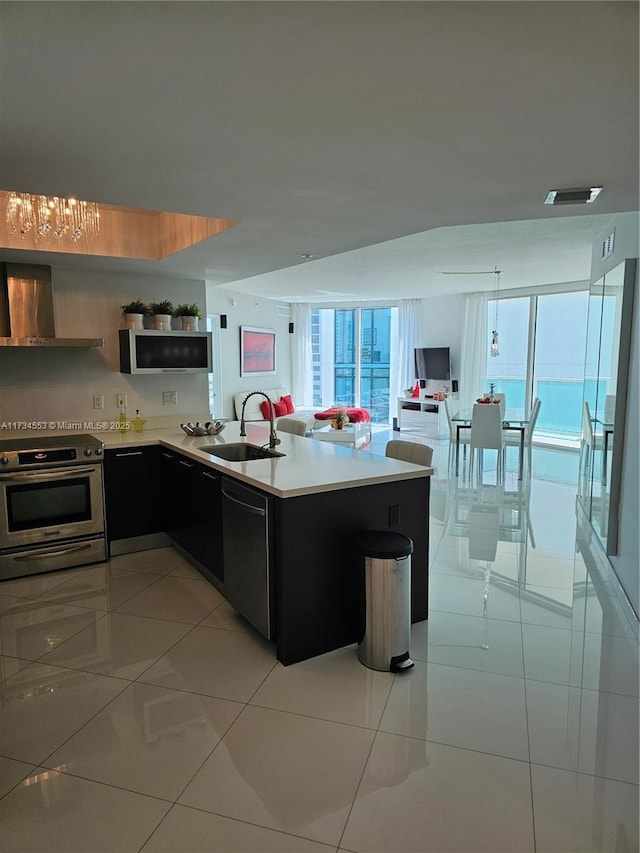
pixel 150 351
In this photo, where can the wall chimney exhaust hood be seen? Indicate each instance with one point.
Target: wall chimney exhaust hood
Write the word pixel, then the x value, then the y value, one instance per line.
pixel 26 309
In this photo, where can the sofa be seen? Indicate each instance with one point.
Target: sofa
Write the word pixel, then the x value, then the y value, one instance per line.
pixel 311 417
pixel 253 411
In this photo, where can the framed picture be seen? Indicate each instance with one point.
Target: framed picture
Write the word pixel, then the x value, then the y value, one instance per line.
pixel 257 351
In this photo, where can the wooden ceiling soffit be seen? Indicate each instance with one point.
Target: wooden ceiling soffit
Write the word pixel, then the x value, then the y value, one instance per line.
pixel 125 233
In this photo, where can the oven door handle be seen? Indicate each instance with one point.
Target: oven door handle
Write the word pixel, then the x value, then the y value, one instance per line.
pixel 60 552
pixel 32 475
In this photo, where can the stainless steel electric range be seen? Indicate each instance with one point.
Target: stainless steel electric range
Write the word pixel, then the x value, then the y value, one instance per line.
pixel 51 504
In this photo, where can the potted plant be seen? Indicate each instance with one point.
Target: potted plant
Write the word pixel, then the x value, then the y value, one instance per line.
pixel 189 314
pixel 161 313
pixel 134 313
pixel 340 419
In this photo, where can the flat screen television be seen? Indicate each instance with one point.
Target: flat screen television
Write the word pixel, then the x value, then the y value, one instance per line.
pixel 432 363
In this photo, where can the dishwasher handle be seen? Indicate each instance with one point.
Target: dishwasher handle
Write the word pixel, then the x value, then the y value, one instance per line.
pixel 256 510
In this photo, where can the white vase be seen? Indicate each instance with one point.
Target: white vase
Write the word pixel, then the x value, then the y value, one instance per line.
pixel 189 324
pixel 134 321
pixel 161 322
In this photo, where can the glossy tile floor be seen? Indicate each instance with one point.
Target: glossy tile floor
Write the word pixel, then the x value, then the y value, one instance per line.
pixel 139 712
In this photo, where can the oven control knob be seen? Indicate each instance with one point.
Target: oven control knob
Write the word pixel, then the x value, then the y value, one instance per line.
pixel 4 461
pixel 87 452
pixel 98 451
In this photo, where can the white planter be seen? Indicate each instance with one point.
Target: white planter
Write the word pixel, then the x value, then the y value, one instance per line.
pixel 189 324
pixel 134 321
pixel 161 322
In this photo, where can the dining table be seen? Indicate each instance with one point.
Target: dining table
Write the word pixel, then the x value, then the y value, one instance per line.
pixel 514 419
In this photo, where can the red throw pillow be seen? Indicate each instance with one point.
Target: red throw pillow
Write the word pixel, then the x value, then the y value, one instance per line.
pixel 264 408
pixel 279 409
pixel 288 403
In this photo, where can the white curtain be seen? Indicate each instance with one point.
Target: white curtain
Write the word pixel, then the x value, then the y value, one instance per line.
pixel 301 355
pixel 475 346
pixel 404 376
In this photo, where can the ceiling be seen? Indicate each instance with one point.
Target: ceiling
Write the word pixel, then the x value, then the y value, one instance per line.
pixel 391 141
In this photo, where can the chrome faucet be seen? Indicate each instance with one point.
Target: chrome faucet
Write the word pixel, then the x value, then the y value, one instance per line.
pixel 273 438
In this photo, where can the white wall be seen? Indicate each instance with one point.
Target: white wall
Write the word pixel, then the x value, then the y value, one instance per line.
pixel 245 310
pixel 441 325
pixel 59 384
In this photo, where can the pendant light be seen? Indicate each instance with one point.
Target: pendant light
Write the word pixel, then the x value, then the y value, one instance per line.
pixel 494 346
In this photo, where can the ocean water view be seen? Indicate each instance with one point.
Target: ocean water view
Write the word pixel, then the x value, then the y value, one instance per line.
pixel 561 409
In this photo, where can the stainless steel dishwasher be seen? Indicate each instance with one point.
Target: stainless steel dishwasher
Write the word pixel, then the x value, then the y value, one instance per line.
pixel 247 536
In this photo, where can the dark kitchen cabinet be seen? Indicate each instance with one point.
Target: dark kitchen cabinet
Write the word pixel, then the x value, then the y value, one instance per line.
pixel 319 572
pixel 179 488
pixel 169 504
pixel 210 522
pixel 191 509
pixel 131 482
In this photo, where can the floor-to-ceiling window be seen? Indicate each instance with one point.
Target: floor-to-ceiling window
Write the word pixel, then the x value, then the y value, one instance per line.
pixel 542 349
pixel 558 368
pixel 375 361
pixel 508 372
pixel 344 357
pixel 352 358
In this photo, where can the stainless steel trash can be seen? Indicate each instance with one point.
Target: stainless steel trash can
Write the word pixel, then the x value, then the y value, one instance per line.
pixel 387 600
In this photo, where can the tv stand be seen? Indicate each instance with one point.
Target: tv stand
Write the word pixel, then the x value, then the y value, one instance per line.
pixel 423 414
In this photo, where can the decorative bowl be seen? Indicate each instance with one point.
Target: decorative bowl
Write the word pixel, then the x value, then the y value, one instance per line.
pixel 210 428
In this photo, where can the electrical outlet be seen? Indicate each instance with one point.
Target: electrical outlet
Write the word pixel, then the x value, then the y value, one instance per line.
pixel 169 398
pixel 98 401
pixel 121 400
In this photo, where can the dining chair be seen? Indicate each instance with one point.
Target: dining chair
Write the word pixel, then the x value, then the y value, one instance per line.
pixel 486 434
pixel 484 529
pixel 292 425
pixel 450 408
pixel 409 451
pixel 512 439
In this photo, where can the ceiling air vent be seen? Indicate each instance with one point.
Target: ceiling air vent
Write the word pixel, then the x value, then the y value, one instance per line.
pixel 576 195
pixel 607 245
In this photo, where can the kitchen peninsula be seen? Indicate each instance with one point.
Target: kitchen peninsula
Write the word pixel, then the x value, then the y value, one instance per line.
pixel 320 496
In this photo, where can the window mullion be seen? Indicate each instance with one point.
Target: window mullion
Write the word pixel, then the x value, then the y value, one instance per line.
pixel 531 352
pixel 357 354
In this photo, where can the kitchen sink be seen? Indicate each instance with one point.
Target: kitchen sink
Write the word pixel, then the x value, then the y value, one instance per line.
pixel 240 452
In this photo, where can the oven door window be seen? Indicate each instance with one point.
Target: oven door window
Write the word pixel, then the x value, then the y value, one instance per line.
pixel 47 504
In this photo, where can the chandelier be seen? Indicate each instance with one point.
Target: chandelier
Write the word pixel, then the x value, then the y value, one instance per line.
pixel 45 216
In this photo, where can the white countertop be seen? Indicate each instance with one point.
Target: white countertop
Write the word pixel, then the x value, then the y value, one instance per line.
pixel 308 466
